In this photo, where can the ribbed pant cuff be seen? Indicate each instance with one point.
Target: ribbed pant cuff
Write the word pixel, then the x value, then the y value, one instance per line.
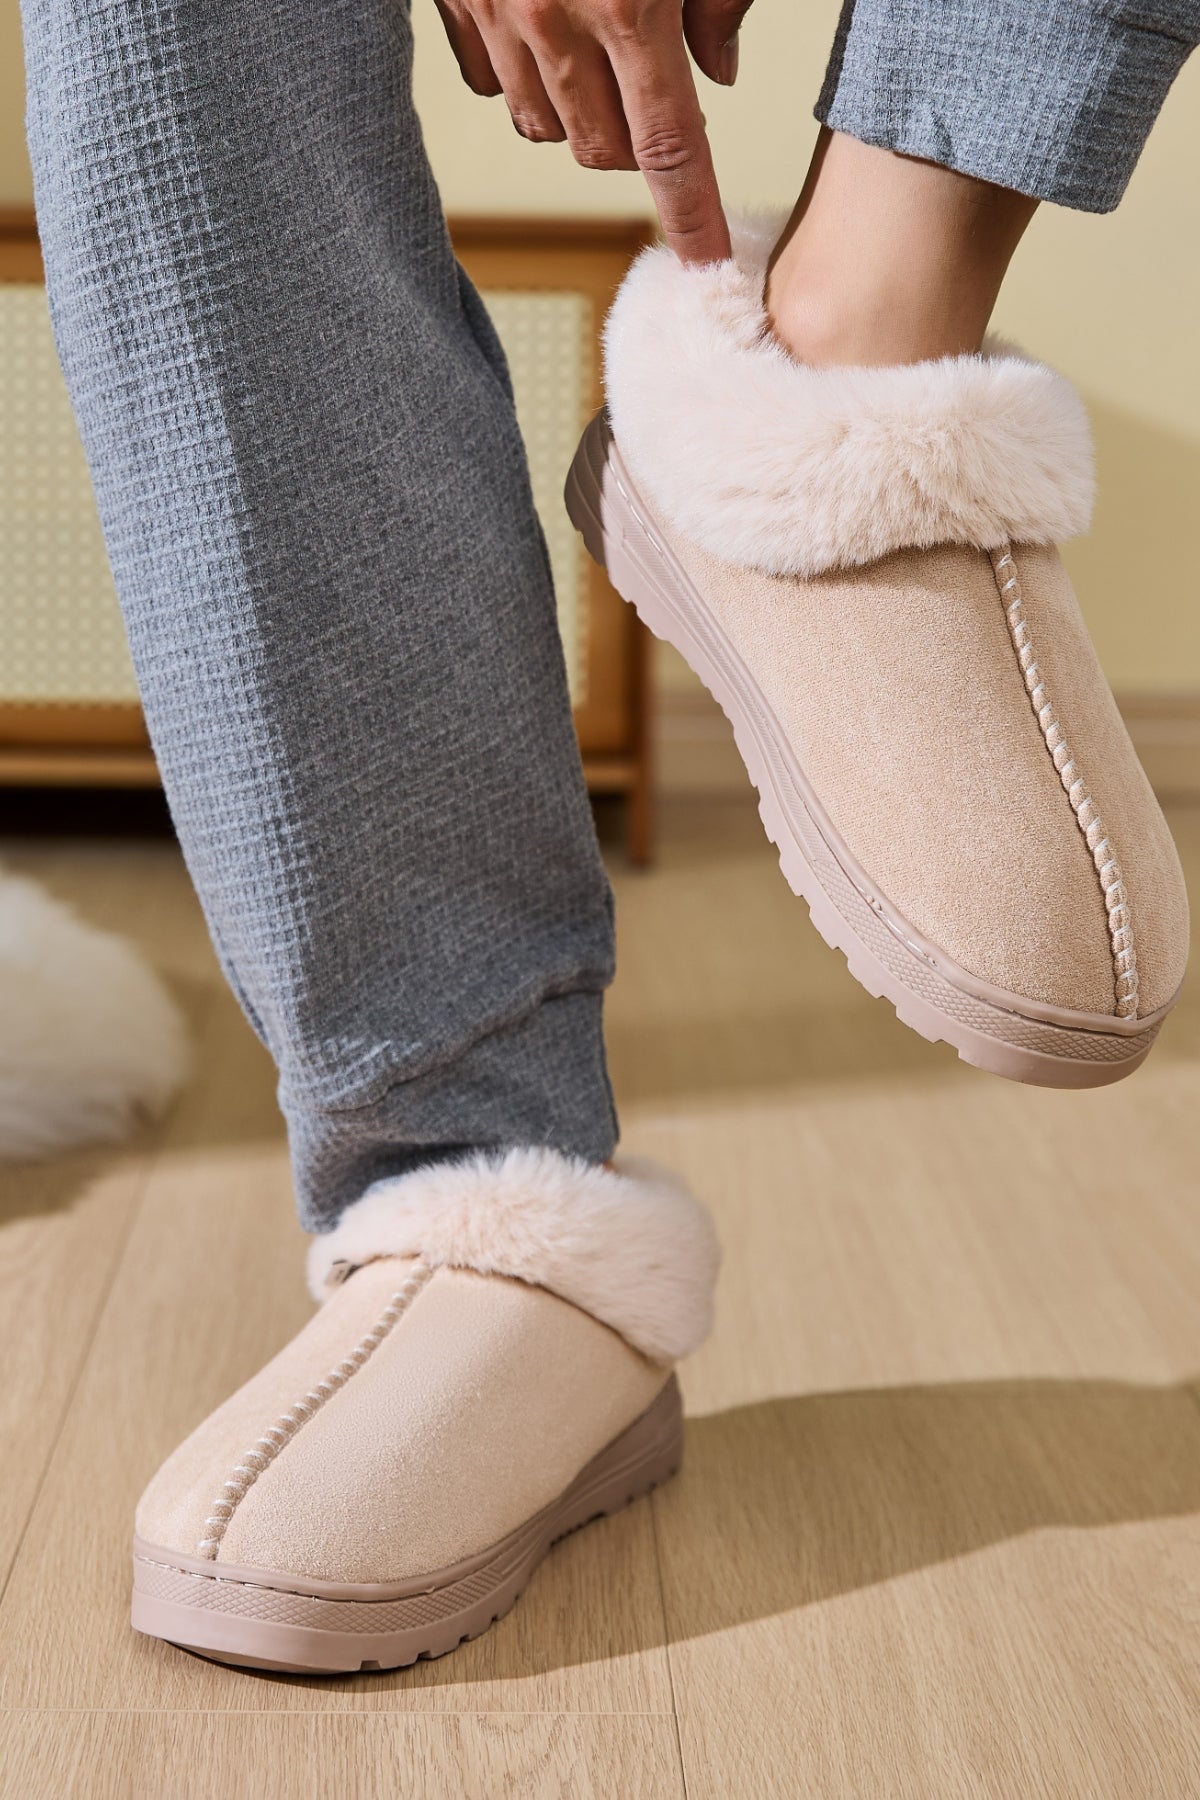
pixel 1054 100
pixel 539 1081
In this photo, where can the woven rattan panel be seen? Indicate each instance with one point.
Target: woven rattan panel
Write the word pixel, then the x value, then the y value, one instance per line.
pixel 548 341
pixel 60 628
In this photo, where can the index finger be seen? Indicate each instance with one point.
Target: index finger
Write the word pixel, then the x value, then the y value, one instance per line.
pixel 666 128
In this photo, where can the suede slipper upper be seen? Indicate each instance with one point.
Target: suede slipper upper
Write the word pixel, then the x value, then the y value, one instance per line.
pixel 489 1368
pixel 861 566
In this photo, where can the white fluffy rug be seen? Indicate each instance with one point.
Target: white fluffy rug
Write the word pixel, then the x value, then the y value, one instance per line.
pixel 90 1040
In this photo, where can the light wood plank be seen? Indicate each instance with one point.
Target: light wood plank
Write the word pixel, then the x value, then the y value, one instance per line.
pixel 189 1756
pixel 937 1530
pixel 61 1230
pixel 63 1222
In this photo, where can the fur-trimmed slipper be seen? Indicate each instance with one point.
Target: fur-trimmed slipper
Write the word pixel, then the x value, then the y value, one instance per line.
pixel 490 1368
pixel 860 565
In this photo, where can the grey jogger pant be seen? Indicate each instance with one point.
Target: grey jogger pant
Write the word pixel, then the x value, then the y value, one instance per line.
pixel 317 510
pixel 1054 98
pixel 318 515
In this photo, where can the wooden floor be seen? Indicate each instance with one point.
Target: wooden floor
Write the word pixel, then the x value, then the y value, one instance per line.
pixel 936 1533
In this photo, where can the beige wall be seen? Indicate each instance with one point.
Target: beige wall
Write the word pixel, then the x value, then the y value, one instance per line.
pixel 1113 301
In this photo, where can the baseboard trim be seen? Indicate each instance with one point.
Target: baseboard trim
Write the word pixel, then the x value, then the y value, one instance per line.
pixel 1165 729
pixel 697 754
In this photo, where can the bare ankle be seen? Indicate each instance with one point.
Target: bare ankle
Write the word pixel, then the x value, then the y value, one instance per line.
pixel 872 326
pixel 889 260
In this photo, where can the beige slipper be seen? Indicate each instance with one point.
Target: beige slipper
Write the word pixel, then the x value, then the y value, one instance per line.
pixel 860 565
pixel 489 1369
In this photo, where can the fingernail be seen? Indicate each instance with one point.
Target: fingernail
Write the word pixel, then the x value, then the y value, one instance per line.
pixel 727 62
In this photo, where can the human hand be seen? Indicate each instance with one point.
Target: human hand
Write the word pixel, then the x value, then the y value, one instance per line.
pixel 612 77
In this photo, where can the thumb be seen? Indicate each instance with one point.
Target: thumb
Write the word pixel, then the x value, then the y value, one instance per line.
pixel 711 29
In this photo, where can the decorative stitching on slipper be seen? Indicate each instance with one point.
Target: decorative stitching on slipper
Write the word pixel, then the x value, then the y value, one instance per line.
pixel 1087 813
pixel 273 1439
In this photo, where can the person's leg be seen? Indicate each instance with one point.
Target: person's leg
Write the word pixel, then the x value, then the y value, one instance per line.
pixel 1051 98
pixel 942 129
pixel 317 505
pixel 317 510
pixel 887 259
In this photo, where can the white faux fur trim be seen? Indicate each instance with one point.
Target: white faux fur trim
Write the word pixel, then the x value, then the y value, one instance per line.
pixel 794 470
pixel 89 1038
pixel 632 1246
